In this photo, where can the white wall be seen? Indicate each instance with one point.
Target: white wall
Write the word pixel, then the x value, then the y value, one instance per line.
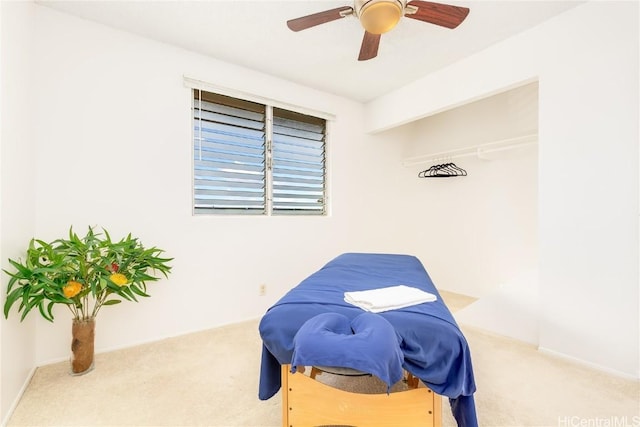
pixel 17 211
pixel 2 412
pixel 589 234
pixel 113 149
pixel 108 143
pixel 586 61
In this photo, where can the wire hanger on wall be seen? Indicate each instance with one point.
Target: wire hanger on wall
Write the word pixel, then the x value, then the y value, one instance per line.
pixel 443 170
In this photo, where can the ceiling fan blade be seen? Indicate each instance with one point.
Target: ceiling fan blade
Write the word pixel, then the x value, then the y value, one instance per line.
pixel 369 48
pixel 439 14
pixel 314 19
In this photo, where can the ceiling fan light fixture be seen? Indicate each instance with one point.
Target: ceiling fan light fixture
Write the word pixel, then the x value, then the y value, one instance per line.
pixel 378 17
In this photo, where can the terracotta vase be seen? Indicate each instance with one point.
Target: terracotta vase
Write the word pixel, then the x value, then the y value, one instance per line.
pixel 83 333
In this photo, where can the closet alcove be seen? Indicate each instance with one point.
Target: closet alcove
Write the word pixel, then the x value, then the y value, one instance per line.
pixel 478 234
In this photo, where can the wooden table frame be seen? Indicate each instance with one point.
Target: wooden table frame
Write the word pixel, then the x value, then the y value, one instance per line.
pixel 307 402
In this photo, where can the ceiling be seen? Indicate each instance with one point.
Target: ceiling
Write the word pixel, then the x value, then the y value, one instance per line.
pixel 254 34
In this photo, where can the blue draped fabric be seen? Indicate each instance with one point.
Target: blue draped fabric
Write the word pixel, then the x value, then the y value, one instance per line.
pixel 434 348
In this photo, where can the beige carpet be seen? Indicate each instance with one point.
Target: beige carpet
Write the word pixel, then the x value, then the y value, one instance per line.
pixel 211 379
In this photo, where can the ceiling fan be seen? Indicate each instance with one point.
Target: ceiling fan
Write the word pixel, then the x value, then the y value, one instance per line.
pixel 379 16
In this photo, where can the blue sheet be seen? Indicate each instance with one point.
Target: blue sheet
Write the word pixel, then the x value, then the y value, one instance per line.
pixel 433 346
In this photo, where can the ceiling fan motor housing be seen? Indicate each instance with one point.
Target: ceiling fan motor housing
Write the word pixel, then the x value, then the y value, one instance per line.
pixel 379 16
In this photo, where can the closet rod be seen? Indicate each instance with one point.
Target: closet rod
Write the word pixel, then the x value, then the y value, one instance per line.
pixel 476 150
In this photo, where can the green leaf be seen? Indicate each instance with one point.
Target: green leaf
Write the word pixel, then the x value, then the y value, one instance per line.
pixel 11 298
pixel 127 291
pixel 137 290
pixel 112 302
pixel 58 298
pixel 50 309
pixel 84 292
pixel 23 270
pixel 29 305
pixel 125 296
pixel 48 316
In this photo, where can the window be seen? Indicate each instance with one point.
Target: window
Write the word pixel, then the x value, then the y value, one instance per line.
pixel 251 158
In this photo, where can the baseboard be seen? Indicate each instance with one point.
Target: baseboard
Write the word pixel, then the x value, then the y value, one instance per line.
pixel 588 364
pixel 559 355
pixel 144 342
pixel 14 405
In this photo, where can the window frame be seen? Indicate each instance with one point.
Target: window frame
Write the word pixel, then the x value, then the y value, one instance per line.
pixel 267 177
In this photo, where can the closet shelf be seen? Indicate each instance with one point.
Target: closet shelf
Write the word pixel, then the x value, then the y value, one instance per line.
pixel 476 150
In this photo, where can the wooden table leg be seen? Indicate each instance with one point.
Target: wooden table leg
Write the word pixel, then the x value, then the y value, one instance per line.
pixel 285 395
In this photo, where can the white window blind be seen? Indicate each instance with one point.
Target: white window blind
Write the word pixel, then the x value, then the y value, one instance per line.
pixel 298 163
pixel 251 158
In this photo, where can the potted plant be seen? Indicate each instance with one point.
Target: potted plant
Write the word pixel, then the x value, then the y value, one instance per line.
pixel 84 274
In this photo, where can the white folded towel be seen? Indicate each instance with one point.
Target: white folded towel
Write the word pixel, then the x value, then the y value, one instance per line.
pixel 391 298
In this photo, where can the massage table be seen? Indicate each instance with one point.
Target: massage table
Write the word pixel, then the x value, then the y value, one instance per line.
pixel 434 350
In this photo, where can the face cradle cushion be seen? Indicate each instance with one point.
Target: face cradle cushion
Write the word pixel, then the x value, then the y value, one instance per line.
pixel 368 344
